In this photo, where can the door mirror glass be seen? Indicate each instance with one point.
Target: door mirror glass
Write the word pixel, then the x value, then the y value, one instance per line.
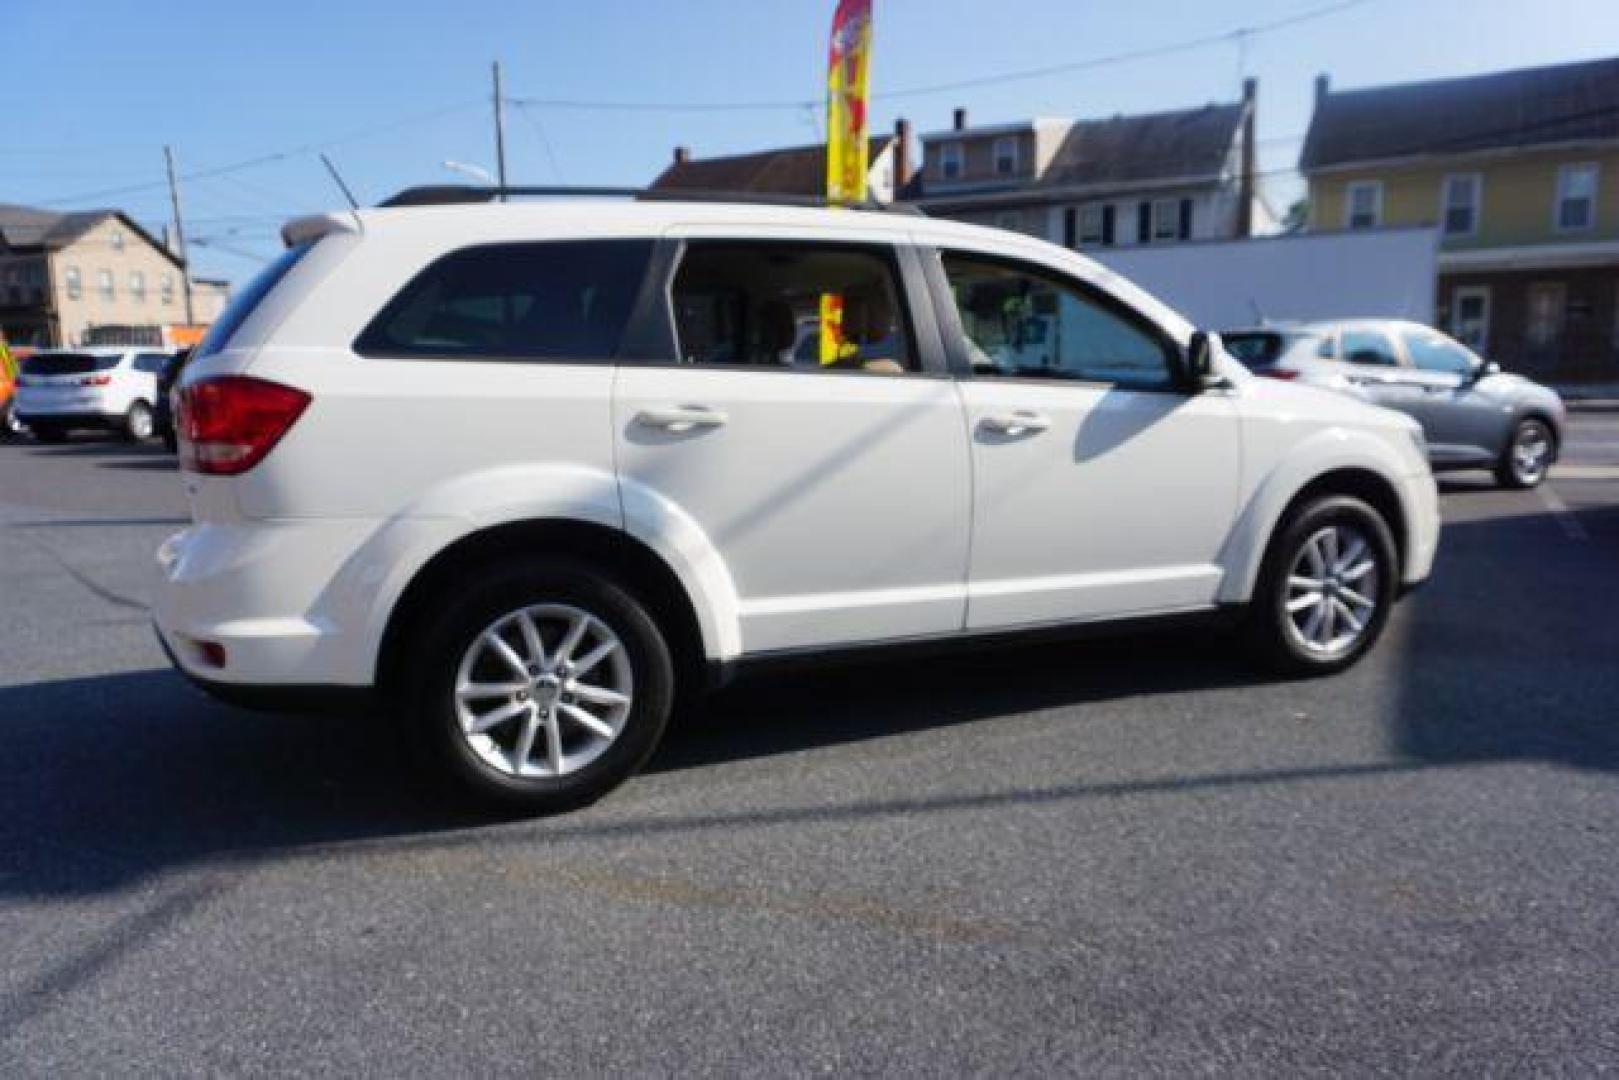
pixel 1199 358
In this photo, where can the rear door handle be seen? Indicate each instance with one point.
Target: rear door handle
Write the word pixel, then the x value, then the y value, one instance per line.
pixel 681 417
pixel 1016 423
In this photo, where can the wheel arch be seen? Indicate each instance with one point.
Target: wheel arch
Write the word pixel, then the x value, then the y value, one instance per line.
pixel 631 563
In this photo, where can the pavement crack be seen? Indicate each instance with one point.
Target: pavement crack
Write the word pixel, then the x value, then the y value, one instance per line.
pixel 111 596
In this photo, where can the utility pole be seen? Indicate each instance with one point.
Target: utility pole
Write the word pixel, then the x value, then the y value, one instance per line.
pixel 500 131
pixel 180 236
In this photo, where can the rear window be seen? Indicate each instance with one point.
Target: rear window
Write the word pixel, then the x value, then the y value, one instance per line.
pixel 1253 348
pixel 70 364
pixel 249 298
pixel 543 301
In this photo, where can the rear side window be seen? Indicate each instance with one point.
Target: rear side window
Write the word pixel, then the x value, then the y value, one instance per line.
pixel 1371 347
pixel 562 300
pixel 70 364
pixel 249 298
pixel 1253 349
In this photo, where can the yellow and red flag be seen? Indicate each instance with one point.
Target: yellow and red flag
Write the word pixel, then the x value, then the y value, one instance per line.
pixel 848 76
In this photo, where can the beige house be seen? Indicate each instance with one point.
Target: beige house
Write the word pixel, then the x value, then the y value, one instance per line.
pixel 1519 172
pixel 66 278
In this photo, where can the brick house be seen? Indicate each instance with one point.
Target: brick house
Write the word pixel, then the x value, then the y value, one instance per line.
pixel 64 275
pixel 1154 178
pixel 1519 172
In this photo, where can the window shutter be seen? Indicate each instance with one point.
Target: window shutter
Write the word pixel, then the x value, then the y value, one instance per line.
pixel 1144 223
pixel 1070 228
pixel 1107 225
pixel 1186 219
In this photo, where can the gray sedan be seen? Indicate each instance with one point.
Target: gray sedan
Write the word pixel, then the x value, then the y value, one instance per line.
pixel 1475 416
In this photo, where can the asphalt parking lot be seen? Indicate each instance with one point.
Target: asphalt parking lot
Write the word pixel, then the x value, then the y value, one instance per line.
pixel 1129 857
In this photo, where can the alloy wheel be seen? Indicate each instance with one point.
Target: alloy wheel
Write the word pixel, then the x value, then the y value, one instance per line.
pixel 1333 591
pixel 1531 454
pixel 543 691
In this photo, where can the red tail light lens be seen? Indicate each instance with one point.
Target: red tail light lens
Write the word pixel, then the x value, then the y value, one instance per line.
pixel 228 424
pixel 1278 373
pixel 96 380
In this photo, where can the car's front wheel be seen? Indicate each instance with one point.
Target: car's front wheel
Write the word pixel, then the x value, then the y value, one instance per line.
pixel 1325 590
pixel 1528 456
pixel 539 688
pixel 138 422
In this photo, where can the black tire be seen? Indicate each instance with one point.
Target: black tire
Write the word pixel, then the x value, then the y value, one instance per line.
pixel 171 442
pixel 138 423
pixel 10 426
pixel 1273 638
pixel 48 433
pixel 1511 471
pixel 433 658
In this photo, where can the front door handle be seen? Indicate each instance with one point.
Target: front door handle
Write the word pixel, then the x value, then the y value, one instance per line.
pixel 1023 421
pixel 681 417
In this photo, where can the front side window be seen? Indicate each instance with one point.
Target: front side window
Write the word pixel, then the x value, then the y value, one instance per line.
pixel 75 286
pixel 1024 322
pixel 1006 156
pixel 104 284
pixel 950 160
pixel 1576 197
pixel 1370 347
pixel 1430 351
pixel 793 306
pixel 1461 205
pixel 1363 205
pixel 563 300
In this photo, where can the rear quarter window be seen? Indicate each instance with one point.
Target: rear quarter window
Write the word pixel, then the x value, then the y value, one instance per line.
pixel 554 300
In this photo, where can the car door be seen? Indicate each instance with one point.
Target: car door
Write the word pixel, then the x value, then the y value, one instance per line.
pixel 1100 487
pixel 834 491
pixel 1461 422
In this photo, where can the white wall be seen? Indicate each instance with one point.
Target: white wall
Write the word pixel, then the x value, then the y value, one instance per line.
pixel 1389 273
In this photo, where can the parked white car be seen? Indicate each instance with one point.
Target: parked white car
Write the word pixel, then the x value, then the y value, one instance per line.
pixel 107 388
pixel 525 471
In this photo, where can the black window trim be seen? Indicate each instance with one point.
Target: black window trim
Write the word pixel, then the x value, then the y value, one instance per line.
pixel 658 329
pixel 955 334
pixel 631 323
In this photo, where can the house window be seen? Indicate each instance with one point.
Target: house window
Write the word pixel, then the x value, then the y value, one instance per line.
pixel 104 284
pixel 1461 204
pixel 75 288
pixel 117 240
pixel 137 286
pixel 165 289
pixel 1470 317
pixel 1093 225
pixel 1576 197
pixel 1547 303
pixel 950 161
pixel 1166 220
pixel 1006 156
pixel 1363 204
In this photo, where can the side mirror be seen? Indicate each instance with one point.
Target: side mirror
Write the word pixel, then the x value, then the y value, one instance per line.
pixel 1199 360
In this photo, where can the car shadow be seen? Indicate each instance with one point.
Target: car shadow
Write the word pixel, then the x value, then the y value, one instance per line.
pixel 109 780
pixel 144 464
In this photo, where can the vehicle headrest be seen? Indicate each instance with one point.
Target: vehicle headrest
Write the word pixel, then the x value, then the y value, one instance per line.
pixel 778 327
pixel 868 316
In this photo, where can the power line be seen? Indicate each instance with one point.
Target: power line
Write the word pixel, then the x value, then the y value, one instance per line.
pixel 1240 34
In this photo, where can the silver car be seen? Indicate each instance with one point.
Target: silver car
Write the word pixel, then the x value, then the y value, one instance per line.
pixel 1475 416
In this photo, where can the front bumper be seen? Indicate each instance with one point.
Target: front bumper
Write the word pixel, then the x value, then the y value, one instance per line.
pixel 1420 496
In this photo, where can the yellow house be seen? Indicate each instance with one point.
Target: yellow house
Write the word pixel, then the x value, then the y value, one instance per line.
pixel 1519 173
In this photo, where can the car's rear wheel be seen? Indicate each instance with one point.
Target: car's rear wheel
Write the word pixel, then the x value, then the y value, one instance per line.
pixel 1325 590
pixel 1528 455
pixel 138 422
pixel 539 688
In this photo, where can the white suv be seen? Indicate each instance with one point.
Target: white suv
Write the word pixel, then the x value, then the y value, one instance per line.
pixel 108 388
pixel 524 471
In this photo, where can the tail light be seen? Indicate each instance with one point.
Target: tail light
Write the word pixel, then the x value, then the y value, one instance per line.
pixel 96 380
pixel 228 424
pixel 1278 373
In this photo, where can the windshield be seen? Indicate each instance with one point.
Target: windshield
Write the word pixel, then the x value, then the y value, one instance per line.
pixel 70 363
pixel 248 300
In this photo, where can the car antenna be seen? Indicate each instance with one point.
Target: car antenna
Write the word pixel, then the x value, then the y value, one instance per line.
pixel 337 178
pixel 1259 314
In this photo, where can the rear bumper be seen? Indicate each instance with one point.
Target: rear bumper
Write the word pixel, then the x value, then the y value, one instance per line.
pixel 68 418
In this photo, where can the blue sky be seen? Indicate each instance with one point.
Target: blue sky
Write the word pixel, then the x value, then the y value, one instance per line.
pixel 92 90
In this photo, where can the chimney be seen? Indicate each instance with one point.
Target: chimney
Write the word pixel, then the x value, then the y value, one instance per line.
pixel 902 155
pixel 960 123
pixel 1245 181
pixel 682 155
pixel 1322 84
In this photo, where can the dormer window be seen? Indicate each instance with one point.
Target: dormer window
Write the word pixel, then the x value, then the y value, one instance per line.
pixel 1006 156
pixel 950 160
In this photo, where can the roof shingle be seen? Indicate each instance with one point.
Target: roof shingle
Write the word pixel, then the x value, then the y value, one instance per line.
pixel 796 170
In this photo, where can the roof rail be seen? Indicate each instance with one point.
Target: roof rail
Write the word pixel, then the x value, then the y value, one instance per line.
pixel 452 194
